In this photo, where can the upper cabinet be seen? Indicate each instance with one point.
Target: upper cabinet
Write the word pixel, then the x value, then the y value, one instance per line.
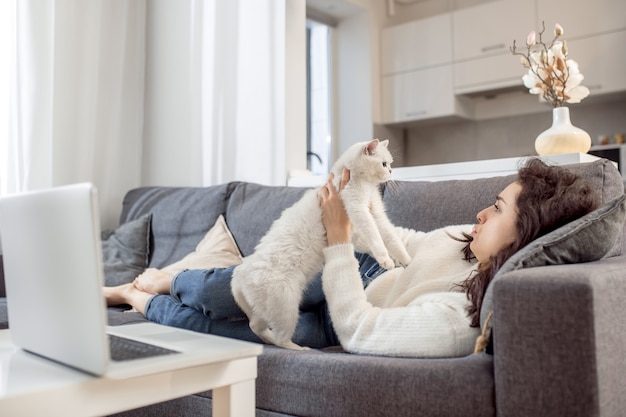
pixel 420 94
pixel 415 45
pixel 417 71
pixel 483 35
pixel 431 66
pixel 581 18
pixel 595 33
pixel 602 67
pixel 490 28
pixel 488 73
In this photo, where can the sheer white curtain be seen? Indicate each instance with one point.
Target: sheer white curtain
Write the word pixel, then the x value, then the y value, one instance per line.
pixel 238 79
pixel 78 98
pixel 7 77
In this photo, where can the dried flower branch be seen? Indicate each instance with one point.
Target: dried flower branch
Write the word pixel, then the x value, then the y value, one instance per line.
pixel 551 74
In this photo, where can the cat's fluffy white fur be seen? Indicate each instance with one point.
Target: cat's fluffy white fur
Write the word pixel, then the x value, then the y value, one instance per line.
pixel 269 284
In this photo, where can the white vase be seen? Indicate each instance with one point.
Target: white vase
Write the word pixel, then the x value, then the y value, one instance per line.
pixel 562 137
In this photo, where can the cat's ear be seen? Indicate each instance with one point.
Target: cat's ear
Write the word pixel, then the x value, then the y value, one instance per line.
pixel 370 149
pixel 385 143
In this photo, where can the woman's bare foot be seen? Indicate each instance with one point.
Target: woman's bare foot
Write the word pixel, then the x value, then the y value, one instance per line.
pixel 116 295
pixel 126 294
pixel 154 281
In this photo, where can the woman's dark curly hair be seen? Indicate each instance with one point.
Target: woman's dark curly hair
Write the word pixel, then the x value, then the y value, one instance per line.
pixel 550 197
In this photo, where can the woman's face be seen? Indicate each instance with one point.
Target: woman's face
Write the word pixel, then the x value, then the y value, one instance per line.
pixel 496 226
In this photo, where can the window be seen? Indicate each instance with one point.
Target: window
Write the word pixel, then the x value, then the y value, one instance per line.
pixel 318 98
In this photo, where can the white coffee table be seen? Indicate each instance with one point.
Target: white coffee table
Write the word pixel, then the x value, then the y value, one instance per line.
pixel 31 386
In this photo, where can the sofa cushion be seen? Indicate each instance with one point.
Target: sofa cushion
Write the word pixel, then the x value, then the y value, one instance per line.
pixel 216 250
pixel 586 239
pixel 294 383
pixel 126 251
pixel 181 216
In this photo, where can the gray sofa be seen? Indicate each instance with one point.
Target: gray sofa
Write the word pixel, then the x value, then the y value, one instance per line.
pixel 559 332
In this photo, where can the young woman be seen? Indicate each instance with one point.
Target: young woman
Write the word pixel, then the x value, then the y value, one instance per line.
pixel 431 308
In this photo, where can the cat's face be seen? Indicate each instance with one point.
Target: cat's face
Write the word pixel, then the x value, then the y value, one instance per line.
pixel 373 163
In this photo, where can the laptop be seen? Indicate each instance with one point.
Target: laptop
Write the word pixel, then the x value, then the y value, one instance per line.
pixel 53 270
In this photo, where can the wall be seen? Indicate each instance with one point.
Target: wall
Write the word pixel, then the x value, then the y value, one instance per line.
pixel 295 86
pixel 357 66
pixel 169 157
pixel 354 74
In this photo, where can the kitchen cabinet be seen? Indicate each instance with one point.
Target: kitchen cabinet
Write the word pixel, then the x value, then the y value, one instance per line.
pixel 418 95
pixel 483 35
pixel 596 56
pixel 599 61
pixel 490 28
pixel 488 73
pixel 581 18
pixel 419 44
pixel 417 70
pixel 434 67
pixel 595 33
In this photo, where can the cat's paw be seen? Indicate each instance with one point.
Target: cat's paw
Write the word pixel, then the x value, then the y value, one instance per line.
pixel 400 254
pixel 386 262
pixel 404 259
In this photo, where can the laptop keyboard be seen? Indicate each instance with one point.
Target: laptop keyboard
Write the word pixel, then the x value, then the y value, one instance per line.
pixel 123 349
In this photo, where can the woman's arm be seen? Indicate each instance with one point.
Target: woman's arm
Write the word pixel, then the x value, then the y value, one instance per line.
pixel 433 325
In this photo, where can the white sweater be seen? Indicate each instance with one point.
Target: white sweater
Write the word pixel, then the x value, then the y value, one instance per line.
pixel 415 311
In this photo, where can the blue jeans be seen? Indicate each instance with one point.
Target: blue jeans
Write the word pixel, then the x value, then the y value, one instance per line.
pixel 201 300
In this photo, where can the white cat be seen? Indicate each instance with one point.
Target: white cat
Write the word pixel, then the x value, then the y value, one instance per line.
pixel 269 284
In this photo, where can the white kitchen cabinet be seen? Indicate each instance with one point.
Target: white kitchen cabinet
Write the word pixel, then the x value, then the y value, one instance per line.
pixel 428 68
pixel 600 62
pixel 418 95
pixel 602 67
pixel 418 44
pixel 581 18
pixel 490 28
pixel 488 73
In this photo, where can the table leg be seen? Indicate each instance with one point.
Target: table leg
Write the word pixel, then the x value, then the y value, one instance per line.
pixel 237 400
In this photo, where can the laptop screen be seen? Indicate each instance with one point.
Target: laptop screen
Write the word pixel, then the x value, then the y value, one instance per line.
pixel 53 273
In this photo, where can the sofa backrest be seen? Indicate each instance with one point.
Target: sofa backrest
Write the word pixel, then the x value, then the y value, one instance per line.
pixel 182 216
pixel 252 208
pixel 426 206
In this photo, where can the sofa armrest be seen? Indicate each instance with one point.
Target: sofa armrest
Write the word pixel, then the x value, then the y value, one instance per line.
pixel 559 337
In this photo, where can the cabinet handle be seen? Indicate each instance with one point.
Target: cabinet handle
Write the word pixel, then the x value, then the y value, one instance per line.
pixel 595 87
pixel 415 113
pixel 492 47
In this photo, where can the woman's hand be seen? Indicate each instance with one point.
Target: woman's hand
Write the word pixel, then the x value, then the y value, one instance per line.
pixel 334 216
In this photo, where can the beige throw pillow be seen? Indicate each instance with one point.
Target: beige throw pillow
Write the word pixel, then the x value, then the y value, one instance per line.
pixel 216 250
